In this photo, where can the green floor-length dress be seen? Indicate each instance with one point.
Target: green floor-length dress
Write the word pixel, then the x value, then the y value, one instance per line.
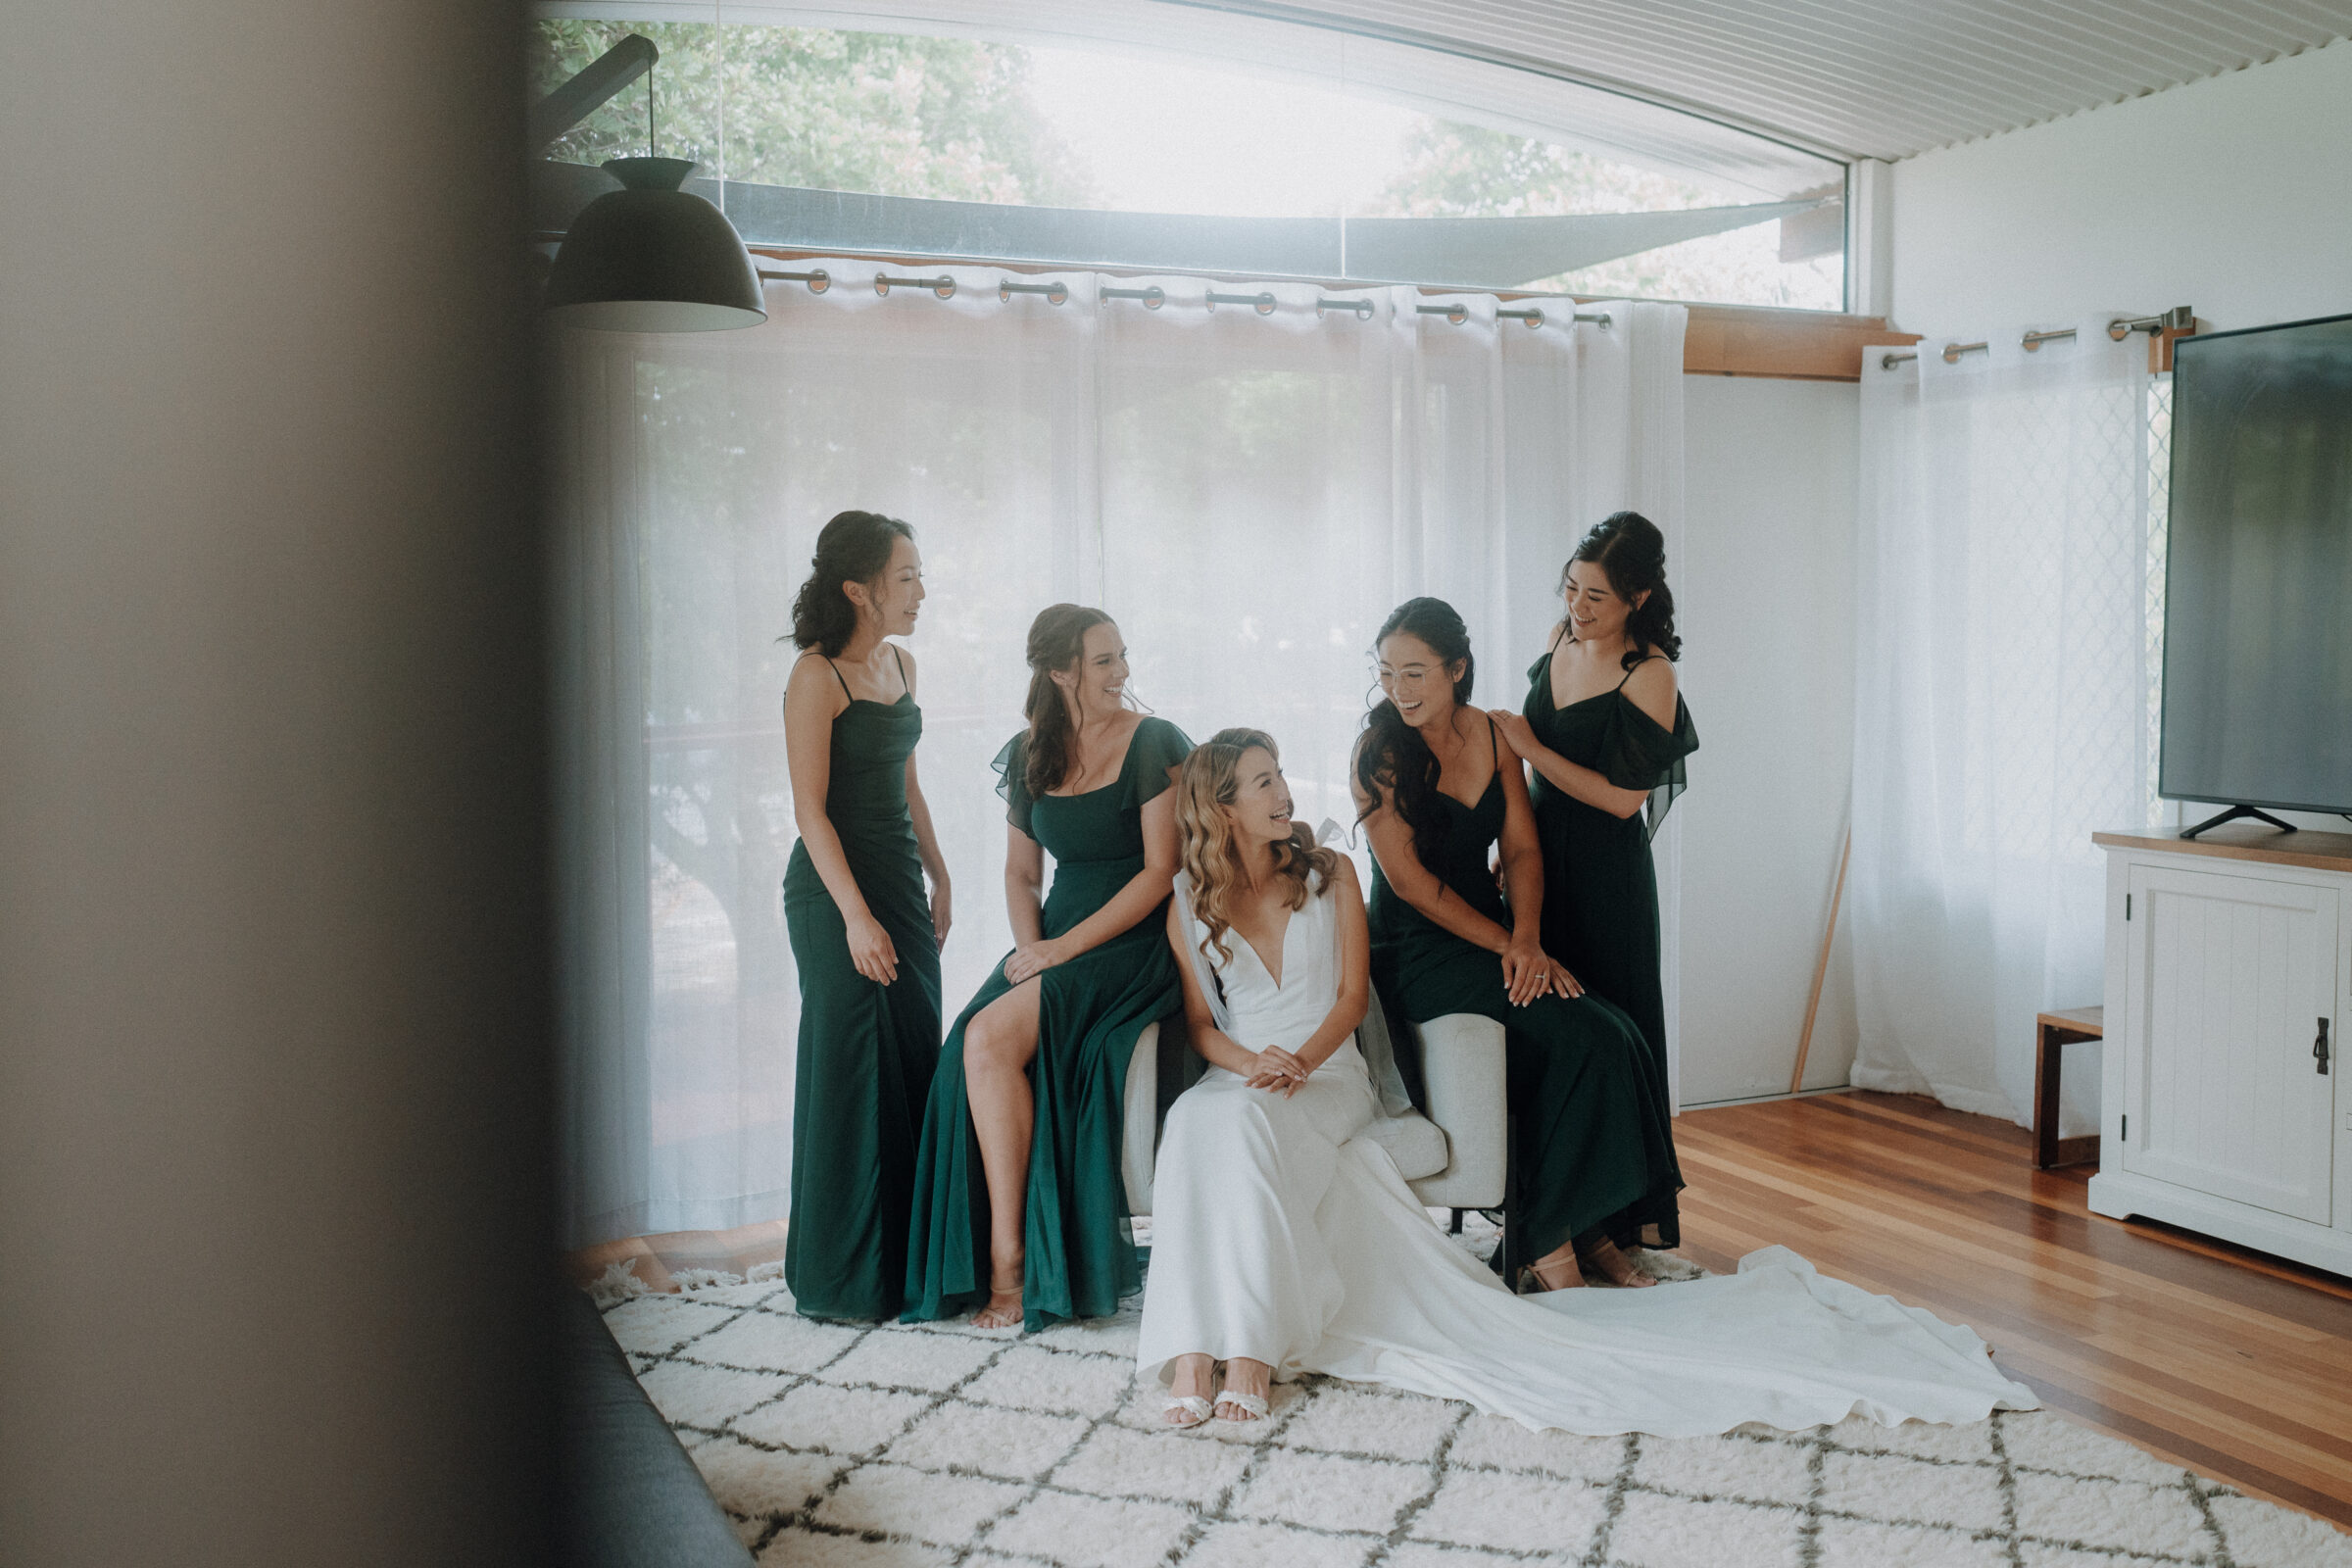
pixel 1079 1248
pixel 1600 893
pixel 1591 1147
pixel 866 1050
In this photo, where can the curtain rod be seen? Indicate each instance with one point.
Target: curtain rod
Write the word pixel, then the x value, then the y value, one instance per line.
pixel 1153 297
pixel 2180 318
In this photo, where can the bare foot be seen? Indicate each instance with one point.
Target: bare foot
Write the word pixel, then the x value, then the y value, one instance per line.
pixel 1004 1308
pixel 1249 1385
pixel 1614 1265
pixel 1188 1390
pixel 1553 1271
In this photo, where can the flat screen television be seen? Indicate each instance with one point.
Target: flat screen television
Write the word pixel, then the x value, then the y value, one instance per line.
pixel 2258 572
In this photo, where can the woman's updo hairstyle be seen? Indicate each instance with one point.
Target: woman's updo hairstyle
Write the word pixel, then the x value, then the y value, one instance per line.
pixel 1057 642
pixel 1628 549
pixel 854 547
pixel 1392 762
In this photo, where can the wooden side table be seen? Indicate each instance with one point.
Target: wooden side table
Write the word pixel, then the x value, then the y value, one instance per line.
pixel 2052 1033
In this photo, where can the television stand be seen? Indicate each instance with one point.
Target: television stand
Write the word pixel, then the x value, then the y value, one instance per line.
pixel 2231 815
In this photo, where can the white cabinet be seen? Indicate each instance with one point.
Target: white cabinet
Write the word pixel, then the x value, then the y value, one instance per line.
pixel 2228 966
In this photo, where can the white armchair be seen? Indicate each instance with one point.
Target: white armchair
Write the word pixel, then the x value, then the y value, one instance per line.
pixel 1453 1158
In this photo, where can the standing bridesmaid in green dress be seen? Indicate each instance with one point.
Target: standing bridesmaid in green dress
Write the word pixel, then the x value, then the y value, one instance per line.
pixel 1436 787
pixel 1020 1206
pixel 1607 732
pixel 865 937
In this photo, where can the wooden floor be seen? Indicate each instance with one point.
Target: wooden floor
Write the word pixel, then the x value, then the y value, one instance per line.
pixel 2237 1365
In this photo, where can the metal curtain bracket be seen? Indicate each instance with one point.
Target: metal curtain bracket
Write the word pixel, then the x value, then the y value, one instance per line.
pixel 2180 318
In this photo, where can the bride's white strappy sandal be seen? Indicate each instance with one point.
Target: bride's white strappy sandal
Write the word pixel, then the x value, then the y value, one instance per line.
pixel 1191 1404
pixel 1251 1406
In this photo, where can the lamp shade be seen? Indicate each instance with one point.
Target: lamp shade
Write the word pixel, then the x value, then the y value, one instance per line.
pixel 652 258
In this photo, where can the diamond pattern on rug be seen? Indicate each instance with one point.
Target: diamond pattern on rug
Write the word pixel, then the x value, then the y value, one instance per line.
pixel 941 1445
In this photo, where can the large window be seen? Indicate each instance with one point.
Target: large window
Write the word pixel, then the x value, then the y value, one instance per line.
pixel 965 120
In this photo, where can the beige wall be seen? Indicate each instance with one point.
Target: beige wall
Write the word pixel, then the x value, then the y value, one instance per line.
pixel 1765 592
pixel 2231 195
pixel 272 998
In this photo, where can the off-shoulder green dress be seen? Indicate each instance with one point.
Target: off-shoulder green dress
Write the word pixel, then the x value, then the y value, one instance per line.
pixel 865 1050
pixel 1600 891
pixel 1592 1144
pixel 1079 1246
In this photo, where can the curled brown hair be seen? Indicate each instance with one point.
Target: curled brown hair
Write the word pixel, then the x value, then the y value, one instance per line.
pixel 1210 780
pixel 1056 641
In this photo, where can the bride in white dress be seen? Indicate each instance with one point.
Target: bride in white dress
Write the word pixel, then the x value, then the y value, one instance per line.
pixel 1284 1241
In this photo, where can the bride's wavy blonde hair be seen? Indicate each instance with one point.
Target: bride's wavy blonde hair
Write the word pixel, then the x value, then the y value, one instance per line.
pixel 1211 779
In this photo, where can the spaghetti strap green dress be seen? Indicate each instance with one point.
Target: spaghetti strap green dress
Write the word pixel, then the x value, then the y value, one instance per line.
pixel 866 1050
pixel 1600 891
pixel 1591 1147
pixel 1079 1244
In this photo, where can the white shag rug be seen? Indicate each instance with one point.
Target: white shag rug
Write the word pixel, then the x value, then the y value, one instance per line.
pixel 836 1446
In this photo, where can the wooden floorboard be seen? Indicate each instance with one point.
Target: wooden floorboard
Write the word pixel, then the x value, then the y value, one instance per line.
pixel 2234 1364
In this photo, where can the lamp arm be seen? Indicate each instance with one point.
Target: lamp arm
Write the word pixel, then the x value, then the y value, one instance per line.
pixel 598 80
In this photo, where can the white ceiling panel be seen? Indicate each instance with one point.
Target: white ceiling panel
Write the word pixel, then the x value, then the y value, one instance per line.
pixel 1880 79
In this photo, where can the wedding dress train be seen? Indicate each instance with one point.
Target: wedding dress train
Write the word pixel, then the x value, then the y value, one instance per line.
pixel 1282 1232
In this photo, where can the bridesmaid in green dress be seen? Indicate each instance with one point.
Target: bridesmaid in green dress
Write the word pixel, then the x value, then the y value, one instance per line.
pixel 1020 1206
pixel 1436 787
pixel 865 937
pixel 1607 732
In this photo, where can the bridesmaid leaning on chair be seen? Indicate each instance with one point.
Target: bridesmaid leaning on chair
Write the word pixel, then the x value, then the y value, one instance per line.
pixel 1019 1206
pixel 1607 732
pixel 863 936
pixel 1436 786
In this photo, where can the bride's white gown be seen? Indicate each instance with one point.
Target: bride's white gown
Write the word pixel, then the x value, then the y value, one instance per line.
pixel 1280 1235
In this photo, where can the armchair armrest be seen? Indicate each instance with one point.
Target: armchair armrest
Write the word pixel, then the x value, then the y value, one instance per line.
pixel 1463 1079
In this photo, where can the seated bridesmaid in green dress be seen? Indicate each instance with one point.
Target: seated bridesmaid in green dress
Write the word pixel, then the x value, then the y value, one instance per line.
pixel 865 937
pixel 1020 1209
pixel 1436 787
pixel 1607 732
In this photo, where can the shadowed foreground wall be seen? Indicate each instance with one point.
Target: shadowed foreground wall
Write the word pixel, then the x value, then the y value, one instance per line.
pixel 273 995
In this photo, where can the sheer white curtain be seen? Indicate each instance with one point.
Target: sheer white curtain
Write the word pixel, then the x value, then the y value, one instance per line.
pixel 2001 700
pixel 1248 494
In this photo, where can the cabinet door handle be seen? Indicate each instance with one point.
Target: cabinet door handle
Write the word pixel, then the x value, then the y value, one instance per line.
pixel 2319 1049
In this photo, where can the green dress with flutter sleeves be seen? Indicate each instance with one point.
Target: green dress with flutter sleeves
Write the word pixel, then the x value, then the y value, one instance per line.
pixel 1600 891
pixel 1079 1246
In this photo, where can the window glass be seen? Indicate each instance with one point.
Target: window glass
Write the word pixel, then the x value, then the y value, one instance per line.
pixel 969 119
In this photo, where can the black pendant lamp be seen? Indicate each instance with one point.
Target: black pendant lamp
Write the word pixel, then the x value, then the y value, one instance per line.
pixel 652 258
pixel 648 256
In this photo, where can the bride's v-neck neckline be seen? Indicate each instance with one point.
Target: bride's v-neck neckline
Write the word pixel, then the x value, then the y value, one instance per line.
pixel 1282 946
